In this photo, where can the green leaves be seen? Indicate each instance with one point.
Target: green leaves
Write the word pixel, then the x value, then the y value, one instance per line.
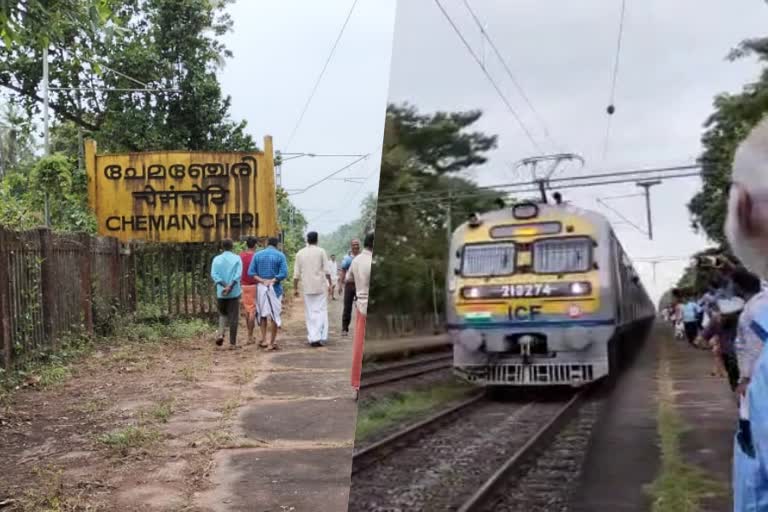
pixel 733 118
pixel 421 154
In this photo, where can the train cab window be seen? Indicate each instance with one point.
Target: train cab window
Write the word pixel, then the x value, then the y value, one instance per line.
pixel 482 260
pixel 562 255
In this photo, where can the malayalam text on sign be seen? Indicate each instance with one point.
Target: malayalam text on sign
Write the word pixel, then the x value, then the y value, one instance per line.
pixel 179 196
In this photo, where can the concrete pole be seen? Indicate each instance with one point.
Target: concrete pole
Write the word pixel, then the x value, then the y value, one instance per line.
pixel 46 135
pixel 646 185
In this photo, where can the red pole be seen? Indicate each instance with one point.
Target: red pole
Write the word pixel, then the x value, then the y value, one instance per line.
pixel 357 349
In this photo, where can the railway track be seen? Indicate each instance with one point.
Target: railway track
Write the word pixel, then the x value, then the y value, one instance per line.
pixel 394 372
pixel 472 457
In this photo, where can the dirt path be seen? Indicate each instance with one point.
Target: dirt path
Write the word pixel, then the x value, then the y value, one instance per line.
pixel 187 427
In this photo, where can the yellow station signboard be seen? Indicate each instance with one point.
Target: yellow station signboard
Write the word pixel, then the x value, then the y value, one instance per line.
pixel 178 196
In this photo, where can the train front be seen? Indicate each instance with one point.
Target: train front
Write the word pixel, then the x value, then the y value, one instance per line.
pixel 525 304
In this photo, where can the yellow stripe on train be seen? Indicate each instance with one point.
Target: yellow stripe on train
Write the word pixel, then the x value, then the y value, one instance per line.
pixel 544 307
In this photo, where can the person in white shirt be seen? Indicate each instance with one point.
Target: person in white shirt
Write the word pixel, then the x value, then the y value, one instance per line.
pixel 333 270
pixel 311 271
pixel 361 272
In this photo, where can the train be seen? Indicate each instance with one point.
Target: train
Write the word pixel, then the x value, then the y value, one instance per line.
pixel 542 294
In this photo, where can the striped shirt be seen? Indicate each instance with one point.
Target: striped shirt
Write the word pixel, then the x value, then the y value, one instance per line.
pixel 270 263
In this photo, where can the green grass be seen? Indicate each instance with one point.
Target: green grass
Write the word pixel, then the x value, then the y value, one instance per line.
pixel 125 439
pixel 161 331
pixel 375 416
pixel 48 368
pixel 679 487
pixel 161 411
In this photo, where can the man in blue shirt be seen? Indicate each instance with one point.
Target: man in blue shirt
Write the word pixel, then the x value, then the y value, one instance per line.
pixel 269 268
pixel 226 271
pixel 746 227
pixel 691 312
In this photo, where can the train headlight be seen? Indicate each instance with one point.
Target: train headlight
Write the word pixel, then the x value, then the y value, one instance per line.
pixel 580 289
pixel 471 292
pixel 452 284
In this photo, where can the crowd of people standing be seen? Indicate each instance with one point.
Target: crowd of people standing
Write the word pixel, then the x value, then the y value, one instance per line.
pixel 255 277
pixel 718 321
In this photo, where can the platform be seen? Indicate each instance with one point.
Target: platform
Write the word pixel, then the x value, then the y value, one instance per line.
pixel 399 348
pixel 625 457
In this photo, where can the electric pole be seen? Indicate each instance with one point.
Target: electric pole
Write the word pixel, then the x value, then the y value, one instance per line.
pixel 46 136
pixel 646 185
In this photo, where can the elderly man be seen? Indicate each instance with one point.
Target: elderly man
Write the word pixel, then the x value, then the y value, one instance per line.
pixel 311 270
pixel 747 231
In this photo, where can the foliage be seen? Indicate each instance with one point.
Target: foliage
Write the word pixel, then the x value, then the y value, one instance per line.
pixel 734 116
pixel 422 154
pixel 293 224
pixel 98 49
pixel 338 242
pixel 17 142
pixel 171 46
pixel 57 178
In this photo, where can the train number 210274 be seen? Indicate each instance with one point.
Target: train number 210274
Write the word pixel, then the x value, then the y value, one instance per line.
pixel 525 290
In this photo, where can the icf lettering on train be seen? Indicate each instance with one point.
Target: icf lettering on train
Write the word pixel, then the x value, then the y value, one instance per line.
pixel 180 196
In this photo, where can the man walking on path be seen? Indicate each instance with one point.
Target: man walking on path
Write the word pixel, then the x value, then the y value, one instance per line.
pixel 361 272
pixel 248 285
pixel 226 271
pixel 333 270
pixel 269 268
pixel 349 287
pixel 311 270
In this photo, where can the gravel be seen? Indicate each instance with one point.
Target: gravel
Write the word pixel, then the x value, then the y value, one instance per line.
pixel 547 483
pixel 440 471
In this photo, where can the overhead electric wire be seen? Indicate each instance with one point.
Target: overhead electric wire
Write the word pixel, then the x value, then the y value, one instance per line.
pixel 454 196
pixel 511 76
pixel 615 74
pixel 491 188
pixel 334 173
pixel 621 216
pixel 489 77
pixel 320 77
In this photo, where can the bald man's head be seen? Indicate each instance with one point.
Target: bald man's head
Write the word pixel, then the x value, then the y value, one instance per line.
pixel 746 225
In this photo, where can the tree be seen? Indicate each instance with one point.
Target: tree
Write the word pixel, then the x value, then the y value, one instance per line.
pixel 338 242
pixel 422 154
pixel 170 45
pixel 734 116
pixel 17 144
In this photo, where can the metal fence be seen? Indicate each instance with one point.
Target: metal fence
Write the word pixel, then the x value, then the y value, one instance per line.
pixel 53 284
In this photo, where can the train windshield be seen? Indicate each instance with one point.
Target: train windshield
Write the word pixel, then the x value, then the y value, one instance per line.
pixel 562 256
pixel 482 260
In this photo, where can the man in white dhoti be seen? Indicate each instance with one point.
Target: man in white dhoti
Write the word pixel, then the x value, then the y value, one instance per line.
pixel 311 270
pixel 269 268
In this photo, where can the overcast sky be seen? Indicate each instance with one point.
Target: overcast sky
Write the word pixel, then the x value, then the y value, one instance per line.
pixel 279 50
pixel 561 53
